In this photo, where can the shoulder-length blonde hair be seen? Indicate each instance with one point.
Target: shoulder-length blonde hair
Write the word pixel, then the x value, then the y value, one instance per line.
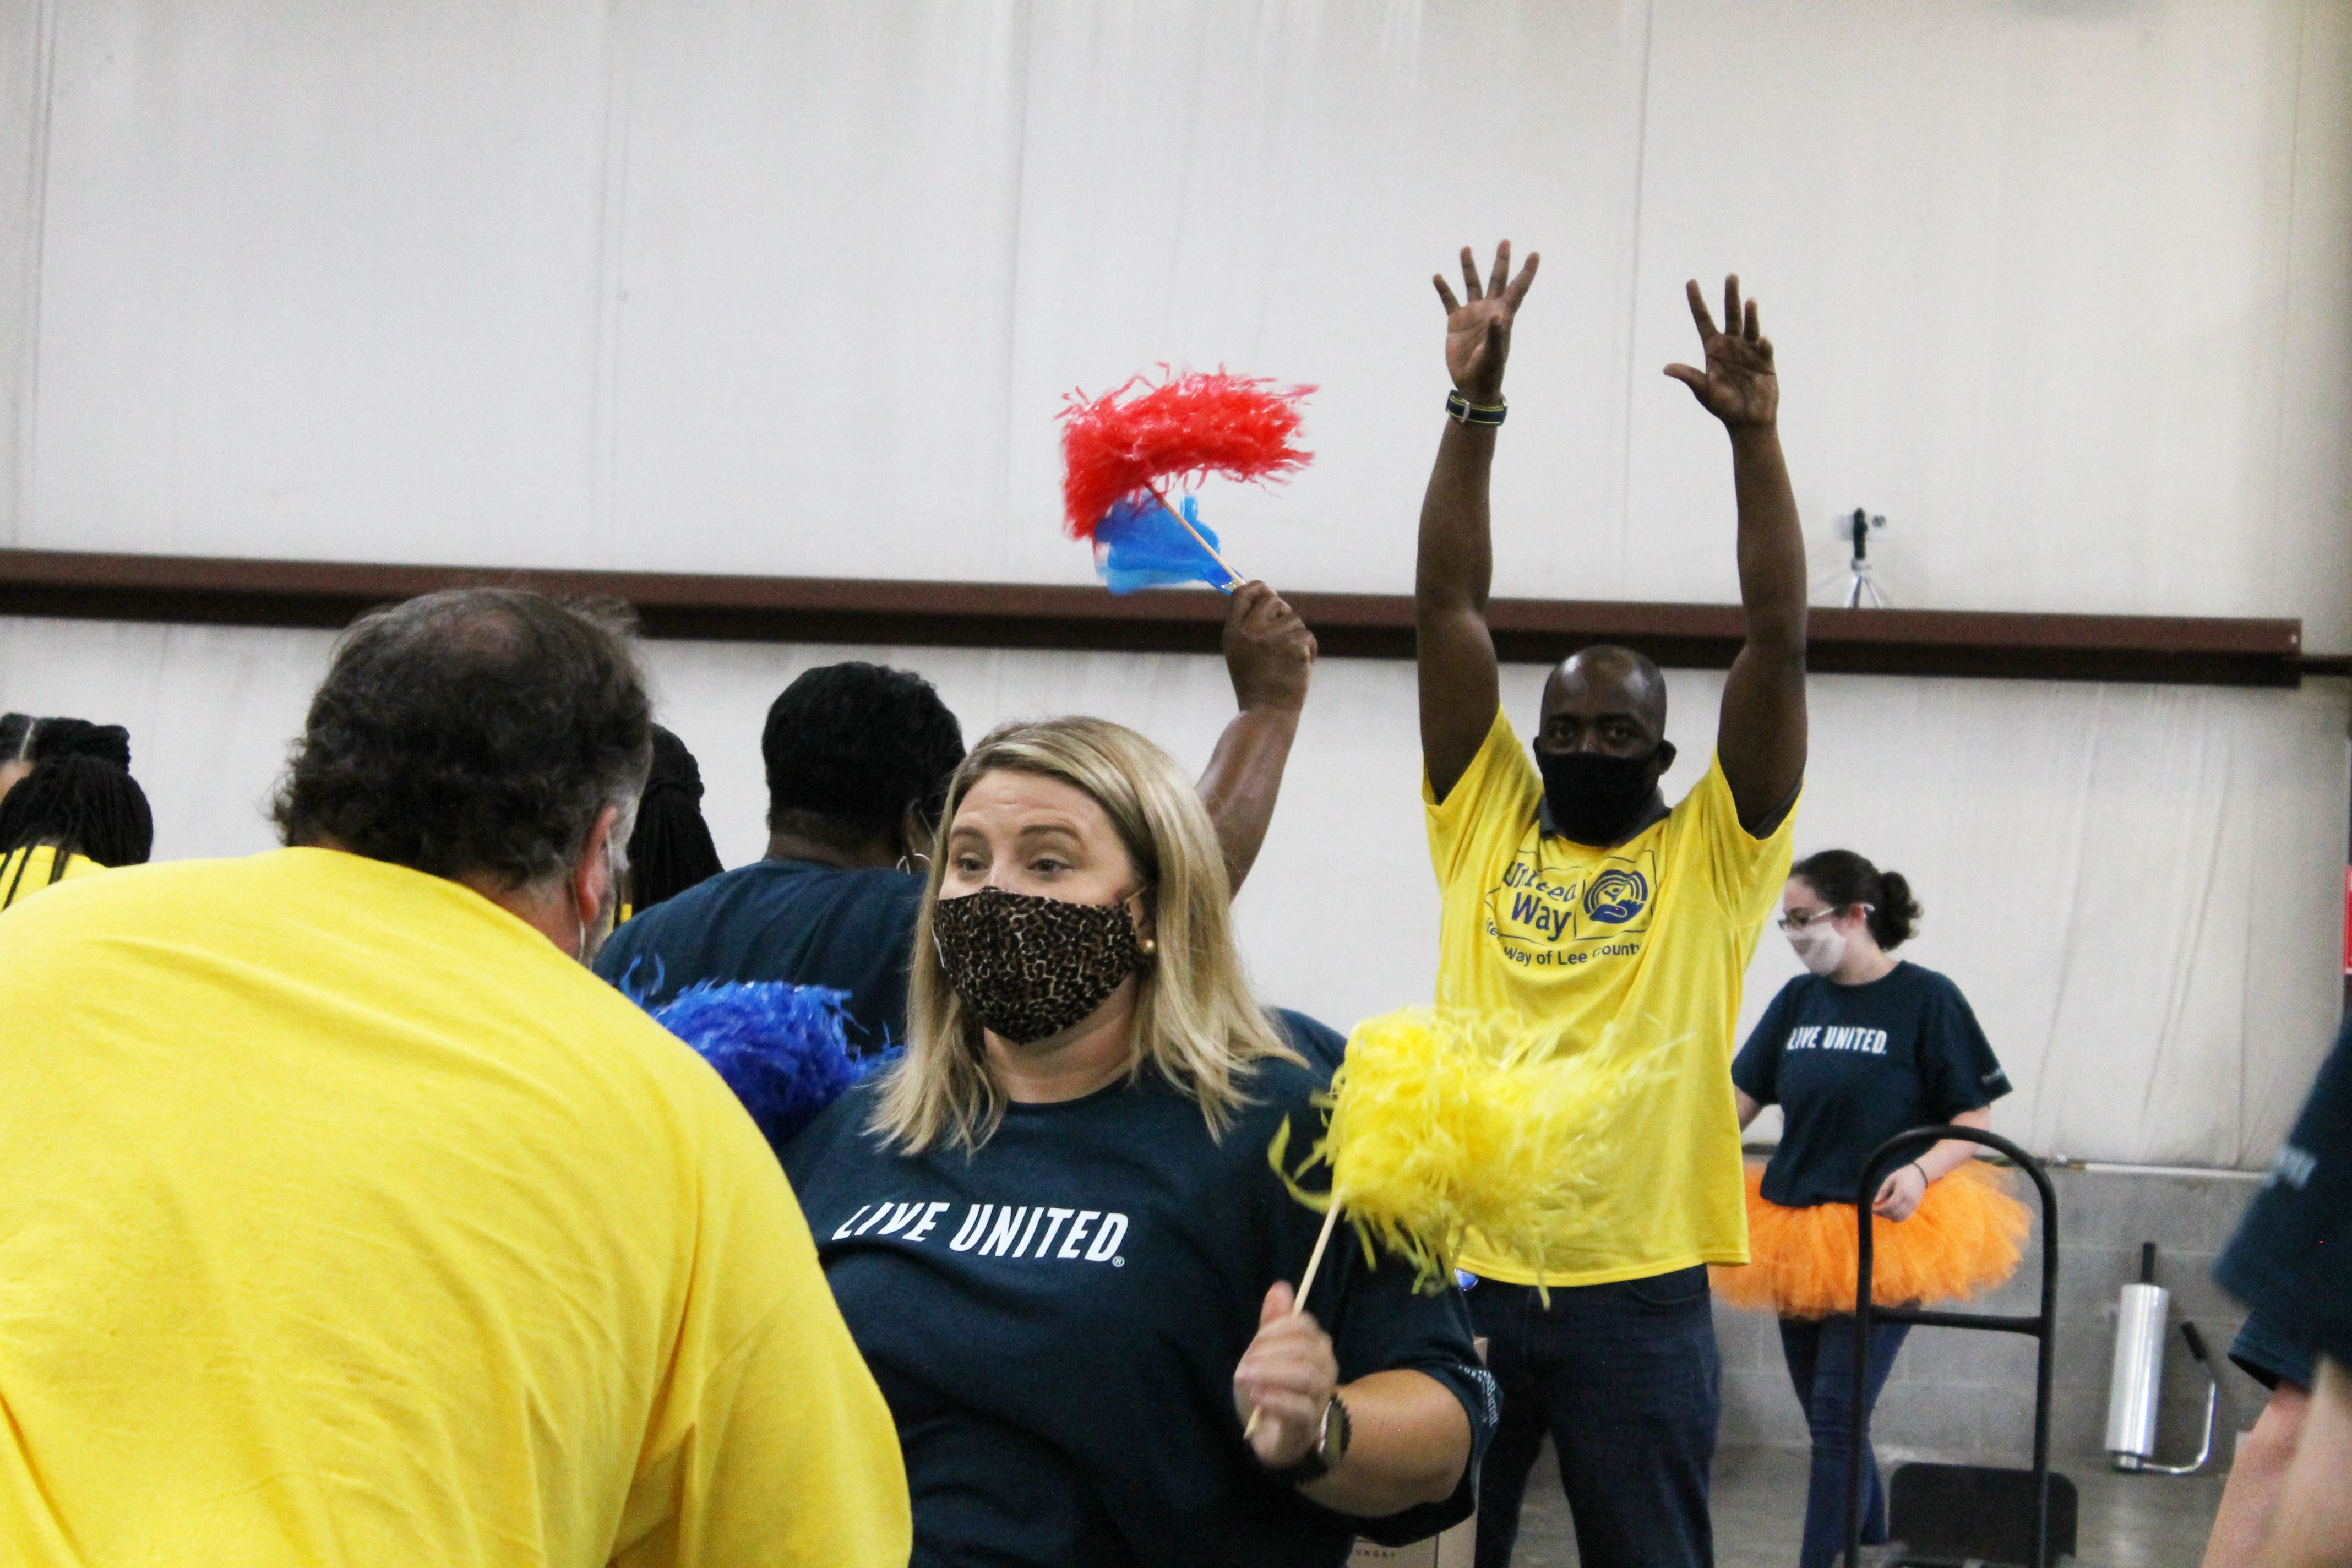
pixel 1195 1021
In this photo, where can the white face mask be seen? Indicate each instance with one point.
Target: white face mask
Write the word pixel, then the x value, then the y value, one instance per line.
pixel 1820 946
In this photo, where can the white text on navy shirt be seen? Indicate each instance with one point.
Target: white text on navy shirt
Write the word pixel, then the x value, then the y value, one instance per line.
pixel 1827 1037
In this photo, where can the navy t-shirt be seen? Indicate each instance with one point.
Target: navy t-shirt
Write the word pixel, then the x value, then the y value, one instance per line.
pixel 1055 1321
pixel 780 920
pixel 2292 1258
pixel 1324 1047
pixel 1851 1065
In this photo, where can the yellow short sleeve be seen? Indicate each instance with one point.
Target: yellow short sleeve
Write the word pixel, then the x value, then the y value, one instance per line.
pixel 1490 805
pixel 1747 872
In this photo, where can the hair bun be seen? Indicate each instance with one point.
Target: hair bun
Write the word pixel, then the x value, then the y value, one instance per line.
pixel 55 738
pixel 1896 915
pixel 1844 879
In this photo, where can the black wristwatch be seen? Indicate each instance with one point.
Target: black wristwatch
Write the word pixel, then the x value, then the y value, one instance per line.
pixel 1330 1447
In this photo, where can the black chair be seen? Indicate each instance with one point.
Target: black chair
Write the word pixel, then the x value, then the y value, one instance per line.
pixel 1995 1516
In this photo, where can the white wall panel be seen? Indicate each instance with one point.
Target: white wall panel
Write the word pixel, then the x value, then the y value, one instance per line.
pixel 2062 288
pixel 2137 887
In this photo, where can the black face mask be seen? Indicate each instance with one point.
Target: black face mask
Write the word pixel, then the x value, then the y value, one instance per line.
pixel 1030 967
pixel 1590 798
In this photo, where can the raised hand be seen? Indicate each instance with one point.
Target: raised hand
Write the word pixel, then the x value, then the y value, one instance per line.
pixel 1479 331
pixel 1269 652
pixel 1737 386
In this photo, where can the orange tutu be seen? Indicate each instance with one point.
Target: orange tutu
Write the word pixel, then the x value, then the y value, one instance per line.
pixel 1963 1239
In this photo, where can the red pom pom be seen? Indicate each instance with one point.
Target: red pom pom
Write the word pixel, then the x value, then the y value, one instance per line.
pixel 1187 428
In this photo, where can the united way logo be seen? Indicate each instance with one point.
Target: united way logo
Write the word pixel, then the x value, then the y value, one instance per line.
pixel 1566 912
pixel 1615 897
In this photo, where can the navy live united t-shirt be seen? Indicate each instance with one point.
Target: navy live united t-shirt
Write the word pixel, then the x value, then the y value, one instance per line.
pixel 1851 1065
pixel 1055 1321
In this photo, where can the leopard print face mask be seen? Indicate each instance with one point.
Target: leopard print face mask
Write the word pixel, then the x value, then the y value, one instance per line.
pixel 1030 967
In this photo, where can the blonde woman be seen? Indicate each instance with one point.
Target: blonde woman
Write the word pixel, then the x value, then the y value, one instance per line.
pixel 1053 1231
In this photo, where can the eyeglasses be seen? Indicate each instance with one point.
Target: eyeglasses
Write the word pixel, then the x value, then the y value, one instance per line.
pixel 1803 919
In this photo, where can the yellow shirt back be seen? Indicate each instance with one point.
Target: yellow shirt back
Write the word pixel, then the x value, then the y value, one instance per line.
pixel 347 1222
pixel 24 872
pixel 1640 949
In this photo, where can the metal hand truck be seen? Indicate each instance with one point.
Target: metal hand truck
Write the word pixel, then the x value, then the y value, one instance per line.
pixel 2043 1325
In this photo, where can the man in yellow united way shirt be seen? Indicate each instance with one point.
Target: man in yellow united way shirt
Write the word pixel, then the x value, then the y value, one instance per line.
pixel 349 1220
pixel 1577 903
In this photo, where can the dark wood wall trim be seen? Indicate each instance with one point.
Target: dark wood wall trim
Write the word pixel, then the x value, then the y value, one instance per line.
pixel 212 590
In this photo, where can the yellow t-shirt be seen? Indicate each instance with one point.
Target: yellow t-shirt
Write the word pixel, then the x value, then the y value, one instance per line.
pixel 348 1222
pixel 1640 949
pixel 24 872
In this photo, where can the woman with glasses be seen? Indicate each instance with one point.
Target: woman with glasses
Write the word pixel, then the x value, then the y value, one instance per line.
pixel 1054 1232
pixel 1861 1047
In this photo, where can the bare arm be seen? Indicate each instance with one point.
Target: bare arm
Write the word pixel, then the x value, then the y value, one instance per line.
pixel 1269 654
pixel 2312 1527
pixel 1760 736
pixel 1750 1107
pixel 1899 1193
pixel 1412 1440
pixel 1460 686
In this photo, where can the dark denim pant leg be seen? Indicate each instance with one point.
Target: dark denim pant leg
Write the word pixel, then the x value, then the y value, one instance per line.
pixel 1627 1379
pixel 1821 1366
pixel 1503 1315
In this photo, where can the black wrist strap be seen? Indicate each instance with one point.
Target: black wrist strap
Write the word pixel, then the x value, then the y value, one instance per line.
pixel 1331 1446
pixel 1461 411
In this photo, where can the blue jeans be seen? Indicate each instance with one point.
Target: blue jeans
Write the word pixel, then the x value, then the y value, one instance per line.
pixel 1820 1364
pixel 1626 1379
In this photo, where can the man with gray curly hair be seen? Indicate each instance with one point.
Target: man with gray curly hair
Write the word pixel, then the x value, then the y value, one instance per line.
pixel 351 1219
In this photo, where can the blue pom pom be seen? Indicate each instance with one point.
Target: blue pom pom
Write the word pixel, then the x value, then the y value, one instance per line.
pixel 1139 545
pixel 783 1049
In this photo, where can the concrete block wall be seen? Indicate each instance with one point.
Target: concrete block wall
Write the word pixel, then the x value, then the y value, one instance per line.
pixel 1968 1396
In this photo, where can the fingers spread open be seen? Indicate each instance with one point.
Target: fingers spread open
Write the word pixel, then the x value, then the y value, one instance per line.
pixel 1519 289
pixel 1751 329
pixel 1445 294
pixel 1731 302
pixel 1502 268
pixel 1699 315
pixel 1693 379
pixel 1470 290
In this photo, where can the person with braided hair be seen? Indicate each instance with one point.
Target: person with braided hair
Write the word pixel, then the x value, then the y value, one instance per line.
pixel 25 741
pixel 68 805
pixel 670 848
pixel 1861 1047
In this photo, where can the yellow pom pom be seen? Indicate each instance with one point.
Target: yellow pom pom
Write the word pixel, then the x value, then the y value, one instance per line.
pixel 1445 1127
